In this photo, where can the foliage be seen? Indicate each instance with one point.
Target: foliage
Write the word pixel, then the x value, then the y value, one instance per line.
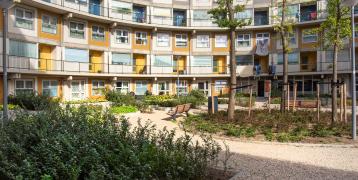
pixel 85 143
pixel 120 99
pixel 123 109
pixel 289 127
pixel 195 98
pixel 89 100
pixel 10 107
pixel 243 99
pixel 32 101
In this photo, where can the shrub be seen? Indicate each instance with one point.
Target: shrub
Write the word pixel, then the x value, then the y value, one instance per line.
pixel 89 100
pixel 85 143
pixel 10 107
pixel 32 101
pixel 123 109
pixel 120 99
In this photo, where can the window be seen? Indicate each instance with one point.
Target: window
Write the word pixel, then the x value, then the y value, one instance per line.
pixel 24 18
pixel 98 87
pixel 204 86
pixel 220 41
pixel 202 61
pixel 244 60
pixel 76 55
pixel 121 7
pixel 78 90
pixel 97 33
pixel 163 39
pixel 24 86
pixel 163 87
pixel 308 36
pixel 291 38
pixel 49 24
pixel 200 15
pixel 163 61
pixel 141 87
pixel 202 41
pixel 244 15
pixel 49 88
pixel 344 55
pixel 263 37
pixel 77 30
pixel 141 38
pixel 122 37
pixel 220 85
pixel 181 40
pixel 243 40
pixel 292 58
pixel 182 87
pixel 23 49
pixel 121 59
pixel 122 86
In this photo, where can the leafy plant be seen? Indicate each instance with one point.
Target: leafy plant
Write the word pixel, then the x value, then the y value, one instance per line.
pixel 10 107
pixel 123 109
pixel 120 99
pixel 32 101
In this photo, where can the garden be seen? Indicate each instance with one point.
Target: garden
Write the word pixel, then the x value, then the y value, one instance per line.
pixel 297 126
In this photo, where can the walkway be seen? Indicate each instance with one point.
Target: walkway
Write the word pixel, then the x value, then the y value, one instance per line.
pixel 278 160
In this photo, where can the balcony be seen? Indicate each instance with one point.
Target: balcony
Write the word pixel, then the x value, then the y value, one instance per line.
pixel 308 13
pixel 308 61
pixel 261 17
pixel 139 14
pixel 179 17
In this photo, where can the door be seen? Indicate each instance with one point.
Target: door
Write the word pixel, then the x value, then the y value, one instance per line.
pixel 219 65
pixel 179 64
pixel 261 88
pixel 78 90
pixel 95 7
pixel 139 64
pixel 45 63
pixel 95 62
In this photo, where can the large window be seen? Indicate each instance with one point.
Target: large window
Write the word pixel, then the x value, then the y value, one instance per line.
pixel 76 55
pixel 200 15
pixel 202 41
pixel 292 58
pixel 77 30
pixel 121 59
pixel 98 33
pixel 163 40
pixel 24 86
pixel 163 61
pixel 49 24
pixel 309 36
pixel 121 7
pixel 221 41
pixel 122 86
pixel 220 85
pixel 122 36
pixel 98 87
pixel 140 87
pixel 141 38
pixel 182 87
pixel 24 18
pixel 204 86
pixel 163 87
pixel 202 61
pixel 244 40
pixel 244 15
pixel 244 60
pixel 49 88
pixel 23 49
pixel 181 40
pixel 78 89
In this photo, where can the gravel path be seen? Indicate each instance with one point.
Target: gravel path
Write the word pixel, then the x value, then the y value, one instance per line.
pixel 279 160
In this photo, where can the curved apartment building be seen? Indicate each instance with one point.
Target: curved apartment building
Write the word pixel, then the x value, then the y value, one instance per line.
pixel 73 49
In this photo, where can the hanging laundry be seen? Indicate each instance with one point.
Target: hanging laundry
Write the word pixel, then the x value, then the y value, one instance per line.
pixel 262 47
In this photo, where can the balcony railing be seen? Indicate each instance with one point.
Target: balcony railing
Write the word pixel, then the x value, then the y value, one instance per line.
pixel 308 16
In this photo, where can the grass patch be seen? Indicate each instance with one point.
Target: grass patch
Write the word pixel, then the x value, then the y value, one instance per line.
pixel 123 109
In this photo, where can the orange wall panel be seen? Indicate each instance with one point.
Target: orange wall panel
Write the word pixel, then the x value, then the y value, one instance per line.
pixel 139 46
pixel 1 23
pixel 104 43
pixel 181 49
pixel 59 85
pixel 57 36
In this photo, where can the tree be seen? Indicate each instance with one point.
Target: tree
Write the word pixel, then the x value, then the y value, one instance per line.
pixel 284 27
pixel 224 17
pixel 333 31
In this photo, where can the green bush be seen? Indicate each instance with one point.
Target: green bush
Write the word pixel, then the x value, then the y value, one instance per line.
pixel 10 107
pixel 123 109
pixel 32 101
pixel 120 99
pixel 85 143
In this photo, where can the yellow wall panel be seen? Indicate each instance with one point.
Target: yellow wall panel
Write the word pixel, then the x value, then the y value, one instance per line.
pixel 96 61
pixel 181 49
pixel 140 46
pixel 57 36
pixel 91 41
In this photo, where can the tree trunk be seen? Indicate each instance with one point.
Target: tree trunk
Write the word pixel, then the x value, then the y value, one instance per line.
pixel 285 61
pixel 233 79
pixel 334 85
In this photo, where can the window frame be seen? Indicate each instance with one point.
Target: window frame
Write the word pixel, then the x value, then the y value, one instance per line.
pixel 50 81
pixel 305 35
pixel 120 34
pixel 122 88
pixel 243 40
pixel 203 43
pixel 24 88
pixel 261 36
pixel 181 39
pixel 161 42
pixel 24 18
pixel 222 45
pixel 140 38
pixel 181 85
pixel 98 33
pixel 96 87
pixel 166 90
pixel 77 29
pixel 54 26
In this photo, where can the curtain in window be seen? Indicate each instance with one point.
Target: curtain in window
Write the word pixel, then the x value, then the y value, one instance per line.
pixel 24 49
pixel 122 59
pixel 162 61
pixel 76 55
pixel 201 15
pixel 202 61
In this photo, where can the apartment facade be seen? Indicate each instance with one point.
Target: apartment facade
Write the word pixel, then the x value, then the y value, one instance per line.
pixel 74 49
